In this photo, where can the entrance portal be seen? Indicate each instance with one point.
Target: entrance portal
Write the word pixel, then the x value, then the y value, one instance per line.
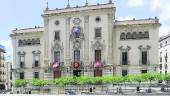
pixel 77 73
pixel 97 73
pixel 57 74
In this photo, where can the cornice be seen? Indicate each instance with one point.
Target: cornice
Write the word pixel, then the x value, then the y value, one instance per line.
pixel 79 9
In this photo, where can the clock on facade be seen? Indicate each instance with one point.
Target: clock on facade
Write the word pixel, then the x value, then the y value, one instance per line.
pixel 76 21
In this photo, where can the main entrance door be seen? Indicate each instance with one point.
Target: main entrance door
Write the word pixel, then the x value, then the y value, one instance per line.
pixel 57 73
pixel 97 72
pixel 77 73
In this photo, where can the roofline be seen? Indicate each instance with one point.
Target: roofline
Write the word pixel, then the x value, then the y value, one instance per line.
pixel 137 21
pixel 77 8
pixel 164 37
pixel 36 27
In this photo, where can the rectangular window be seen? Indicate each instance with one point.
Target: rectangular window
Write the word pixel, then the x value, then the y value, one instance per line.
pixel 21 61
pixel 124 72
pixel 166 57
pixel 124 58
pixel 160 59
pixel 36 75
pixel 36 63
pixel 143 71
pixel 97 55
pixel 57 56
pixel 77 55
pixel 144 57
pixel 160 67
pixel 21 75
pixel 57 35
pixel 98 32
pixel 166 66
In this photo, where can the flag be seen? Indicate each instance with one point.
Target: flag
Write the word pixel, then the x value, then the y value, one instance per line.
pixel 56 65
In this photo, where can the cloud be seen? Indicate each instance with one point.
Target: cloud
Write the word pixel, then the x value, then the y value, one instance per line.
pixel 135 3
pixel 163 9
pixel 163 31
pixel 125 18
pixel 8 48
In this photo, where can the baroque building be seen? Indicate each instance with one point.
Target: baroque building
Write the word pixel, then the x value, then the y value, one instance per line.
pixel 85 41
pixel 164 49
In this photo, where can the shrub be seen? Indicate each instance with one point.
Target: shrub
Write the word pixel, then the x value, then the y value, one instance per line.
pixel 20 83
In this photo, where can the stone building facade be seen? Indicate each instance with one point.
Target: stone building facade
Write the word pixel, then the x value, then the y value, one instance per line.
pixel 85 41
pixel 2 68
pixel 164 54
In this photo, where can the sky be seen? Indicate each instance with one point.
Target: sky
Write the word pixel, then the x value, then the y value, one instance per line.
pixel 27 13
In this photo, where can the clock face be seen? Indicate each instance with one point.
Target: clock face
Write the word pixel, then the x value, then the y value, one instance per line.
pixel 76 21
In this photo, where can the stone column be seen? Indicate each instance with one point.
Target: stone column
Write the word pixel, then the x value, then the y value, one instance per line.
pixel 86 42
pixel 110 41
pixel 67 46
pixel 46 43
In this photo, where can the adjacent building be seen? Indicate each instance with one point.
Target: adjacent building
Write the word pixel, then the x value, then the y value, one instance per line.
pixel 8 75
pixel 85 41
pixel 2 68
pixel 164 54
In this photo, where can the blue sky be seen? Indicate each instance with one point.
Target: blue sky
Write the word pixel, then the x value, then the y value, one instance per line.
pixel 26 13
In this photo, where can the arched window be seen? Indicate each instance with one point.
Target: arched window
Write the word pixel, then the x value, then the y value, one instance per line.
pixel 24 42
pixel 29 42
pixel 140 35
pixel 33 42
pixel 134 35
pixel 122 36
pixel 37 41
pixel 146 34
pixel 128 35
pixel 20 42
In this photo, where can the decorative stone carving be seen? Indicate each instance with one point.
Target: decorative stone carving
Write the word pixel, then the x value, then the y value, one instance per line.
pixel 134 35
pixel 21 53
pixel 122 48
pixel 57 46
pixel 97 45
pixel 76 45
pixel 36 52
pixel 29 42
pixel 144 48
